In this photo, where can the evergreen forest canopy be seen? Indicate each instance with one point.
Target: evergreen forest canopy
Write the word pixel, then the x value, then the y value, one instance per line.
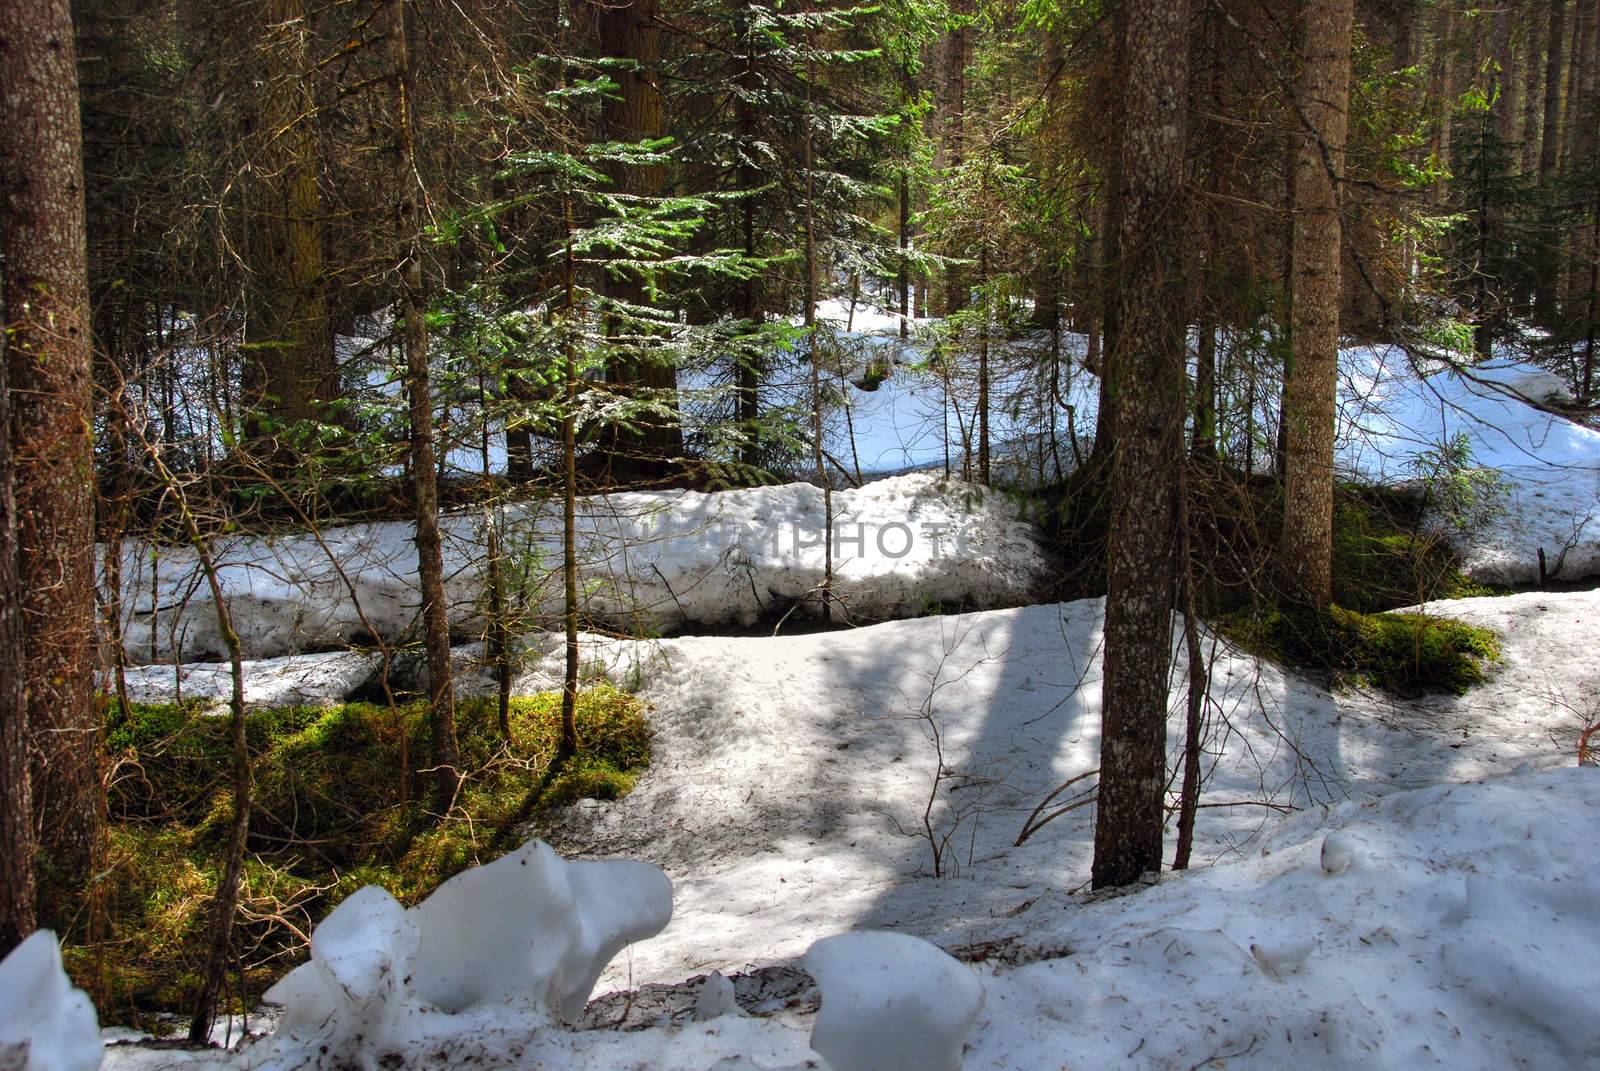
pixel 269 263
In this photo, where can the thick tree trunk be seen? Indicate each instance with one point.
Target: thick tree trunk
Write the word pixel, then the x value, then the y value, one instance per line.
pixel 1554 91
pixel 1443 93
pixel 45 282
pixel 424 462
pixel 1547 282
pixel 1322 92
pixel 630 31
pixel 16 792
pixel 289 362
pixel 1146 371
pixel 954 134
pixel 748 387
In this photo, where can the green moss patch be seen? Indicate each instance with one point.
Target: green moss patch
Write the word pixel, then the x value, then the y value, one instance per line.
pixel 1406 654
pixel 340 802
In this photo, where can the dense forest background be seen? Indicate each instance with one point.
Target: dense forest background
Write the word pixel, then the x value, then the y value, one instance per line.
pixel 285 261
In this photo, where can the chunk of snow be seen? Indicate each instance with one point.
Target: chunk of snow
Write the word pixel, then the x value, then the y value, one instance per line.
pixel 891 1002
pixel 716 998
pixel 1279 960
pixel 1337 853
pixel 558 925
pixel 357 983
pixel 1540 386
pixel 519 940
pixel 45 1023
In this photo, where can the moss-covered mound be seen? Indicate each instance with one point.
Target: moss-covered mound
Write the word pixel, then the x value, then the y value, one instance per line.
pixel 340 802
pixel 1407 654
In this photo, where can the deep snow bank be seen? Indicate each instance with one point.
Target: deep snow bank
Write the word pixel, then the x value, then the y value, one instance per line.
pixel 659 560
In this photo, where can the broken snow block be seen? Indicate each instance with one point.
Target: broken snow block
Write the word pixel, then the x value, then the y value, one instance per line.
pixel 531 929
pixel 891 1002
pixel 45 1023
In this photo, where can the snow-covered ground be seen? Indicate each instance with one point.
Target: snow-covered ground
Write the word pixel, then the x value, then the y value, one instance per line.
pixel 650 561
pixel 1380 883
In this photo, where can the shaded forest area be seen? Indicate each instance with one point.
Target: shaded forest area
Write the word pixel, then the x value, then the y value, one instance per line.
pixel 268 263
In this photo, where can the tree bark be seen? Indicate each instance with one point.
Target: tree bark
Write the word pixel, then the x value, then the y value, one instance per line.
pixel 1547 282
pixel 16 792
pixel 1322 92
pixel 630 31
pixel 748 387
pixel 954 133
pixel 1444 98
pixel 1146 370
pixel 44 276
pixel 424 463
pixel 289 363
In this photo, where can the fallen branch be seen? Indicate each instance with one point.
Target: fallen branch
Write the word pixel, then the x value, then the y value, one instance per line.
pixel 1031 826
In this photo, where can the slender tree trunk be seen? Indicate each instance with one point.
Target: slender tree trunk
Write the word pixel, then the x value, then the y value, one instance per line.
pixel 1509 114
pixel 1322 91
pixel 225 902
pixel 984 323
pixel 1555 72
pixel 424 462
pixel 569 484
pixel 1585 272
pixel 1146 369
pixel 1111 266
pixel 1444 98
pixel 44 277
pixel 1578 60
pixel 903 283
pixel 1535 71
pixel 1584 166
pixel 1199 685
pixel 808 150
